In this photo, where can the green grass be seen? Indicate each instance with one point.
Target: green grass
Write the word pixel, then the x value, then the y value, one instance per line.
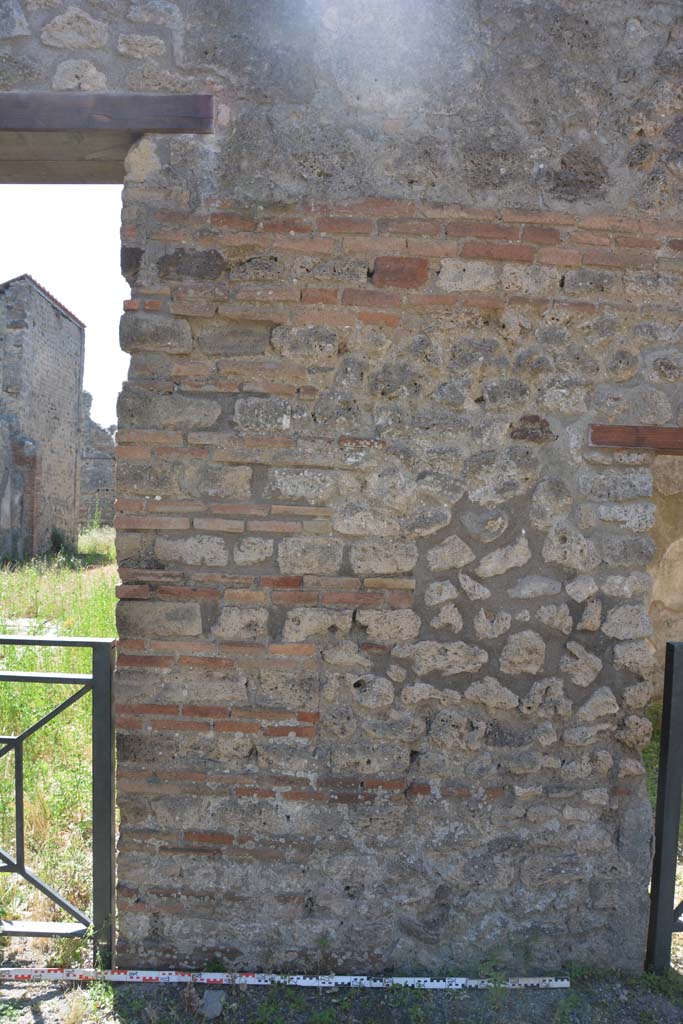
pixel 66 595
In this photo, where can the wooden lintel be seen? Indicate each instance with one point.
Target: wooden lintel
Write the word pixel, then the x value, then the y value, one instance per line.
pixel 662 440
pixel 137 113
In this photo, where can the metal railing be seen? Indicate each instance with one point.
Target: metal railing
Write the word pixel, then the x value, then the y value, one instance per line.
pixel 99 684
pixel 665 918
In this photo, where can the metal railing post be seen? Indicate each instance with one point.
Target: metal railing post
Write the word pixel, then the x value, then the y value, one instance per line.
pixel 103 826
pixel 668 814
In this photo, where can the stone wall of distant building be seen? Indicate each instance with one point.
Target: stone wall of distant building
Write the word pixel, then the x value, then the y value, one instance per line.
pixel 41 373
pixel 97 471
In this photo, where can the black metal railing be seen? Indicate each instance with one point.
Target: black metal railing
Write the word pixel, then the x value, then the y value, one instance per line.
pixel 99 684
pixel 665 918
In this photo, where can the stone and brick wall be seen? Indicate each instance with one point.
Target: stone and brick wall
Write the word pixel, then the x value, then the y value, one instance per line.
pixel 41 371
pixel 385 650
pixel 398 606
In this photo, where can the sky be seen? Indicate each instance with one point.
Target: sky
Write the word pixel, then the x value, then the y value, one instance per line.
pixel 67 238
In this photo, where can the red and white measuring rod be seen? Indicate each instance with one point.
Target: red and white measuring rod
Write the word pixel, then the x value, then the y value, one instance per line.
pixel 298 980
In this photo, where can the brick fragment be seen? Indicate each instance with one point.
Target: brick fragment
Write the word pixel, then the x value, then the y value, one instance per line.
pixel 361 297
pixel 482 229
pixel 540 236
pixel 400 272
pixel 510 253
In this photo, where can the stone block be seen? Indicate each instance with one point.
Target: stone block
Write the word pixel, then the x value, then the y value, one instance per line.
pixel 147 332
pixel 242 624
pixel 158 619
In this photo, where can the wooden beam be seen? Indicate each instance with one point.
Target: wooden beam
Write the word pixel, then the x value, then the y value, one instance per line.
pixel 663 440
pixel 137 113
pixel 64 157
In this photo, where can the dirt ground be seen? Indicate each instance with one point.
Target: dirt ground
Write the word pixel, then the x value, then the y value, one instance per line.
pixel 608 999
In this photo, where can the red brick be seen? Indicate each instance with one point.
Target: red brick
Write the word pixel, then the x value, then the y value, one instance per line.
pixel 559 257
pixel 377 300
pixel 590 238
pixel 128 436
pixel 600 258
pixel 246 727
pixel 637 241
pixel 381 319
pixel 481 229
pixel 247 597
pixel 273 526
pixel 293 598
pixel 282 582
pixel 400 272
pixel 193 453
pixel 249 791
pixel 129 505
pixel 377 207
pixel 346 225
pixel 179 725
pixel 192 661
pixel 240 510
pixel 219 525
pixel 133 591
pixel 206 711
pixel 541 236
pixel 478 300
pixel 174 593
pixel 293 650
pixel 491 251
pixel 142 661
pixel 133 453
pixel 538 217
pixel 410 226
pixel 331 582
pixel 147 709
pixel 131 305
pixel 320 296
pixel 231 220
pixel 399 599
pixel 456 791
pixel 287 224
pixel 130 645
pixel 146 522
pixel 316 245
pixel 220 838
pixel 418 789
pixel 316 511
pixel 676 244
pixel 308 716
pixel 304 794
pixel 190 308
pixel 305 731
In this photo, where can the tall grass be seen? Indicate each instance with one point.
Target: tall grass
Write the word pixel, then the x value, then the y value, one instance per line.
pixel 65 595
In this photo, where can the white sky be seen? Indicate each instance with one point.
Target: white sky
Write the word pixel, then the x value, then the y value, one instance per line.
pixel 67 238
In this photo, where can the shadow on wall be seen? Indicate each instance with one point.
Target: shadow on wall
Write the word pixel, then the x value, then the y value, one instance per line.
pixel 666 610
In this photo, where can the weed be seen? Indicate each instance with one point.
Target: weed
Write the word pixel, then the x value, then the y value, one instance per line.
pixel 326 1016
pixel 76 1006
pixel 496 977
pixel 10 1011
pixel 565 1009
pixel 60 543
pixel 669 984
pixel 101 998
pixel 270 1009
